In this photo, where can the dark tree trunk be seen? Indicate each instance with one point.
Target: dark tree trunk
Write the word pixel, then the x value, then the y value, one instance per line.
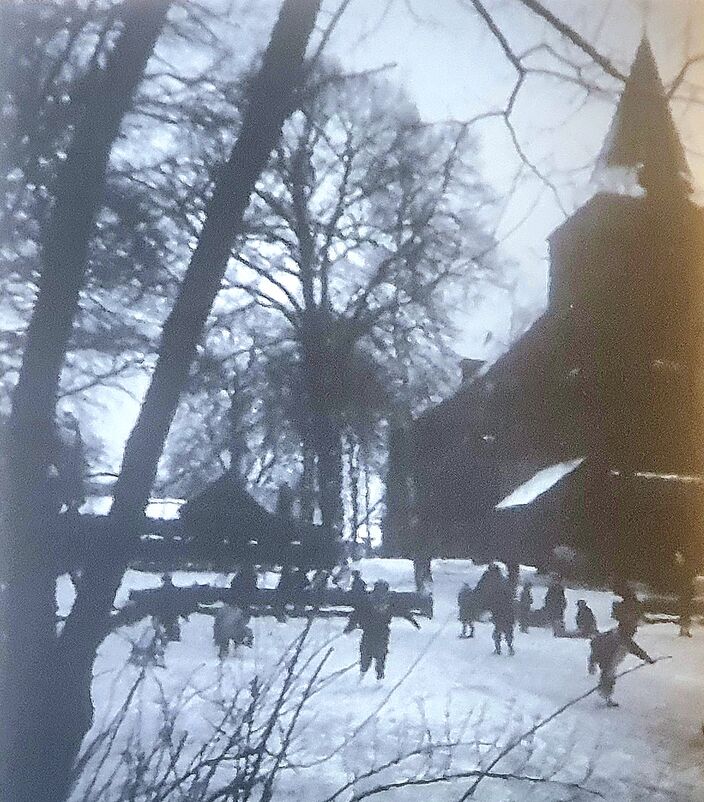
pixel 328 439
pixel 308 484
pixel 271 99
pixel 354 477
pixel 34 716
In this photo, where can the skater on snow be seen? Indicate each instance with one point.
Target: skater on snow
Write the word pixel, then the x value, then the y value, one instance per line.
pixel 607 650
pixel 503 616
pixel 422 574
pixel 468 612
pixel 586 622
pixel 290 589
pixel 244 583
pixel 514 574
pixel 684 586
pixel 555 604
pixel 629 609
pixel 230 626
pixel 525 603
pixel 373 616
pixel 489 585
pixel 168 616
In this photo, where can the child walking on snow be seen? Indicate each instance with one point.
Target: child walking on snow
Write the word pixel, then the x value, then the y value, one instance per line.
pixel 467 604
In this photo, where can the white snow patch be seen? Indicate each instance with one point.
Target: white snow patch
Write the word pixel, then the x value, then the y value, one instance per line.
pixel 539 484
pixel 162 508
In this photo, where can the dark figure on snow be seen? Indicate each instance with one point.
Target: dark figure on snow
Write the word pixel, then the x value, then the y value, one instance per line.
pixel 244 584
pixel 503 616
pixel 514 574
pixel 422 574
pixel 468 611
pixel 168 615
pixel 490 584
pixel 684 587
pixel 320 580
pixel 292 585
pixel 358 586
pixel 627 610
pixel 230 626
pixel 373 616
pixel 525 604
pixel 607 650
pixel 555 605
pixel 585 620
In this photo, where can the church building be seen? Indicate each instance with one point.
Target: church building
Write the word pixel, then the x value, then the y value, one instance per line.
pixel 605 389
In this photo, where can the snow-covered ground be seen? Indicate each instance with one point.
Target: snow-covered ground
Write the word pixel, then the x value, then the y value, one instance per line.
pixel 438 689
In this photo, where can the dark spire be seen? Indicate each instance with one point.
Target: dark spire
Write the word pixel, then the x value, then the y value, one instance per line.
pixel 643 134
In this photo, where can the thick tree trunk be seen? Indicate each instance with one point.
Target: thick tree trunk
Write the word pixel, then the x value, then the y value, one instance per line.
pixel 271 100
pixel 34 718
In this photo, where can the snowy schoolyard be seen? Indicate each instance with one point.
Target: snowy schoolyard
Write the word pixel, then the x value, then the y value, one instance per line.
pixel 445 709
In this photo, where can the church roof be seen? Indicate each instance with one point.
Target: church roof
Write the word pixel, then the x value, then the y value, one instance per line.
pixel 642 131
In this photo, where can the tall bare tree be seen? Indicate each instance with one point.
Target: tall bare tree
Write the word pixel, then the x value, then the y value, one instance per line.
pixel 47 709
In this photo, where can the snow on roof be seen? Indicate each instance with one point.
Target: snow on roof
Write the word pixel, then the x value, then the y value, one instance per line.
pixel 539 483
pixel 161 508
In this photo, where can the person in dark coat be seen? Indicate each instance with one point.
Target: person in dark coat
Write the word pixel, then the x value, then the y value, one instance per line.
pixel 373 616
pixel 292 584
pixel 684 587
pixel 358 586
pixel 585 620
pixel 555 605
pixel 503 616
pixel 169 615
pixel 525 603
pixel 489 585
pixel 627 610
pixel 514 574
pixel 422 573
pixel 244 584
pixel 467 609
pixel 607 650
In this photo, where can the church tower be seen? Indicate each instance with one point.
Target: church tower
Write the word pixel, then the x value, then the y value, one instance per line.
pixel 627 284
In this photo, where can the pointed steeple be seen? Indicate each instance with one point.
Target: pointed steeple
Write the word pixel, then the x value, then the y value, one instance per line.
pixel 643 136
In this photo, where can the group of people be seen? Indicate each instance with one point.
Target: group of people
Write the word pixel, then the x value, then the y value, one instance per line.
pixel 374 610
pixel 497 595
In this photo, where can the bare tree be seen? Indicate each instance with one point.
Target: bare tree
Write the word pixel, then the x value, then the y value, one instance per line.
pixel 43 728
pixel 34 755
